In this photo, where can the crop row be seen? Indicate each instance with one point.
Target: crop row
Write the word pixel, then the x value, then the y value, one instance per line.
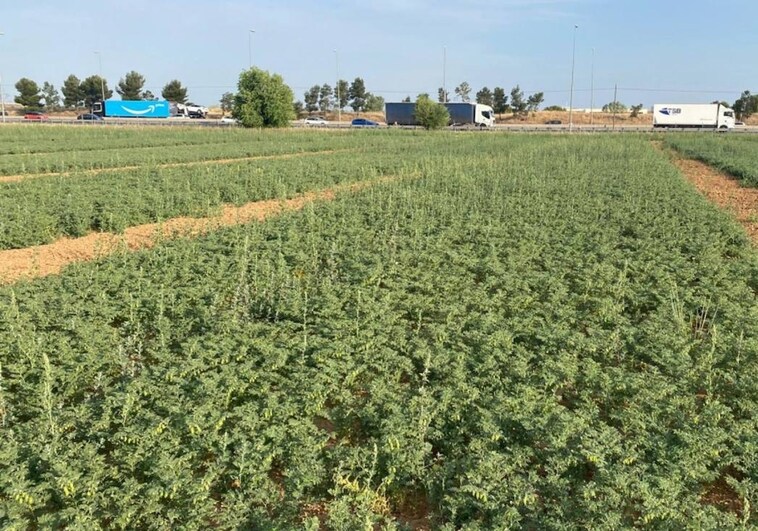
pixel 133 150
pixel 733 154
pixel 553 338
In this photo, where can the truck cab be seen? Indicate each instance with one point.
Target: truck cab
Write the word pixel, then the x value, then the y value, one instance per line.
pixel 726 118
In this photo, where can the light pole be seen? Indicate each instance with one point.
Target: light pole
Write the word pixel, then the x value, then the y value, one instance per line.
pixel 571 97
pixel 2 98
pixel 592 87
pixel 337 71
pixel 102 81
pixel 250 47
pixel 444 74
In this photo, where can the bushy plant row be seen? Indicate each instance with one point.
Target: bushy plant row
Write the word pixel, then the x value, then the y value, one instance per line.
pixel 733 154
pixel 552 338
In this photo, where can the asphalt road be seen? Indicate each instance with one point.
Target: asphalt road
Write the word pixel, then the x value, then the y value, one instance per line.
pixel 526 128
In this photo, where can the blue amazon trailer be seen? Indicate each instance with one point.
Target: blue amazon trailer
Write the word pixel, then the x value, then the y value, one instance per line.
pixel 133 109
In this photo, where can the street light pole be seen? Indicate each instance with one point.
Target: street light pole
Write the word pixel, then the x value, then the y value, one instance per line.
pixel 337 71
pixel 444 74
pixel 592 87
pixel 571 97
pixel 2 97
pixel 102 81
pixel 250 47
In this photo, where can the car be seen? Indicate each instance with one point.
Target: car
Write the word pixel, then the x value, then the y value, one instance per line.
pixel 228 120
pixel 315 120
pixel 553 122
pixel 363 122
pixel 35 115
pixel 89 117
pixel 739 124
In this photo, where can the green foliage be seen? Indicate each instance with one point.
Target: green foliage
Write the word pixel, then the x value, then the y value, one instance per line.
pixel 263 100
pixel 342 93
pixel 635 110
pixel 553 339
pixel 311 98
pixel 28 94
pixel 485 97
pixel 736 155
pixel 555 108
pixel 443 96
pixel 374 103
pixel 130 87
pixel 534 101
pixel 357 94
pixel 463 92
pixel 51 96
pixel 227 102
pixel 430 114
pixel 615 107
pixel 325 97
pixel 518 103
pixel 93 89
pixel 499 100
pixel 746 105
pixel 73 95
pixel 174 91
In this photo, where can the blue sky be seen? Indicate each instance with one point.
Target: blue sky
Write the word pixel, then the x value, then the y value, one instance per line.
pixel 656 51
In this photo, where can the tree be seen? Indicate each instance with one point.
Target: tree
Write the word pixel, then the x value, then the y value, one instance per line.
pixel 463 92
pixel 407 99
pixel 72 92
pixel 28 94
pixel 534 101
pixel 518 104
pixel 430 114
pixel 357 93
pixel 636 110
pixel 94 88
pixel 263 100
pixel 443 96
pixel 174 91
pixel 343 93
pixel 615 107
pixel 51 96
pixel 149 96
pixel 130 86
pixel 746 105
pixel 325 97
pixel 311 98
pixel 555 108
pixel 227 102
pixel 374 103
pixel 299 108
pixel 485 97
pixel 499 100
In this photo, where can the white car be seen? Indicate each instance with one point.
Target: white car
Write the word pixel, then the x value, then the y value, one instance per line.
pixel 315 120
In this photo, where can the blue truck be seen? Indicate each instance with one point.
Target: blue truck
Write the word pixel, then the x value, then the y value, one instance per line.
pixel 133 109
pixel 476 114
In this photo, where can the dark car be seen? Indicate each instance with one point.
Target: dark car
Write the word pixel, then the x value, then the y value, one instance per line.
pixel 363 122
pixel 553 122
pixel 89 116
pixel 35 115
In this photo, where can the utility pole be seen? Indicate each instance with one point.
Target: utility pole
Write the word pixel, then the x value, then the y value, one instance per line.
pixel 337 71
pixel 571 97
pixel 615 99
pixel 444 74
pixel 592 87
pixel 250 47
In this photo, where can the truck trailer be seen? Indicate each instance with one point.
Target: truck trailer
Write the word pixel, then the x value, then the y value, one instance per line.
pixel 132 109
pixel 404 113
pixel 705 115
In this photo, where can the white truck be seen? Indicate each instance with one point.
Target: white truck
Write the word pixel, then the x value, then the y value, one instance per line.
pixel 695 115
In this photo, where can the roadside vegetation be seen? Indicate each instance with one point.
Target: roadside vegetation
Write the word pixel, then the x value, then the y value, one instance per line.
pixel 736 155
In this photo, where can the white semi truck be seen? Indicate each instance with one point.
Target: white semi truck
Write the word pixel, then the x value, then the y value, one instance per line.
pixel 706 115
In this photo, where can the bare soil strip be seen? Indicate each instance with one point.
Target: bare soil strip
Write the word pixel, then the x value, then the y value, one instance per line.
pixel 723 190
pixel 97 171
pixel 50 259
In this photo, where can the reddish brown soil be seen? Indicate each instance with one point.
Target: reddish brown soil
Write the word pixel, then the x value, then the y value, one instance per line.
pixel 723 190
pixel 97 171
pixel 43 260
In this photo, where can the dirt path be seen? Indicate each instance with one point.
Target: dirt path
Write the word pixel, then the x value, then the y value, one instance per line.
pixel 97 171
pixel 50 259
pixel 722 189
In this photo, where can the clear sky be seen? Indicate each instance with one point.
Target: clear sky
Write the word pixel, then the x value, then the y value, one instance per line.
pixel 657 51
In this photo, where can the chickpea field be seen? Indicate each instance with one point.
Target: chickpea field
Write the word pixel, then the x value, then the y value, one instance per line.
pixel 493 331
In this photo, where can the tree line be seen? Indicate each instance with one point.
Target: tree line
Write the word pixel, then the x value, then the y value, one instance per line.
pixel 75 93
